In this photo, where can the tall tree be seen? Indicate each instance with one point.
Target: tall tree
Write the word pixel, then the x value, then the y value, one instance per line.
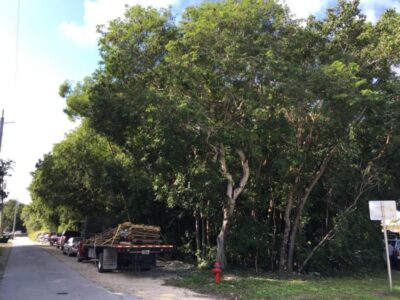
pixel 12 209
pixel 242 99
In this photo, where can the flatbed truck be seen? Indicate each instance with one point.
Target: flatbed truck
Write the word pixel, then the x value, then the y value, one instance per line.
pixel 121 256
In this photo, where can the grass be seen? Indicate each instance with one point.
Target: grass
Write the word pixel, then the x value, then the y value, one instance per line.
pixel 253 286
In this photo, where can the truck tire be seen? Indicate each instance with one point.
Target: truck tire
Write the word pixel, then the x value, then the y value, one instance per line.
pixel 99 263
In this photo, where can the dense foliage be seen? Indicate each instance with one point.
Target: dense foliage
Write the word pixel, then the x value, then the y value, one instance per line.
pixel 250 137
pixel 5 167
pixel 12 209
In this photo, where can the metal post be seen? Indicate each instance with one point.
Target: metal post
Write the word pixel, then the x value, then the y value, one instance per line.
pixel 386 248
pixel 388 259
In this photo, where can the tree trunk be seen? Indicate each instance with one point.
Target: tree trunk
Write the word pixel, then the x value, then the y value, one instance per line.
pixel 273 237
pixel 198 242
pixel 283 259
pixel 256 260
pixel 332 232
pixel 317 176
pixel 207 232
pixel 203 236
pixel 232 194
pixel 368 180
pixel 221 258
pixel 285 239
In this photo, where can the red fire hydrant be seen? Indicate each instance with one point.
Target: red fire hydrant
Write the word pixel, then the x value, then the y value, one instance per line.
pixel 217 272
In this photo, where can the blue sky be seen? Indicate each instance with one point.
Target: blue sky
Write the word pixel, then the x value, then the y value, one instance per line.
pixel 57 41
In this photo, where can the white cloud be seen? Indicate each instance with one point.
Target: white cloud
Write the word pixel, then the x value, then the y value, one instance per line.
pixel 99 12
pixel 396 69
pixel 305 8
pixel 372 8
pixel 371 15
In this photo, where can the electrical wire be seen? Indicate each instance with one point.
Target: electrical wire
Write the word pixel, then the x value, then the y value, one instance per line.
pixel 17 44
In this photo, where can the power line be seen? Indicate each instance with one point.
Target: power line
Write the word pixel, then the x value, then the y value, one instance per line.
pixel 17 44
pixel 2 114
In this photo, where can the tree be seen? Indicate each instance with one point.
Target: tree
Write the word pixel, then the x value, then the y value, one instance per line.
pixel 11 208
pixel 276 119
pixel 348 105
pixel 80 179
pixel 5 167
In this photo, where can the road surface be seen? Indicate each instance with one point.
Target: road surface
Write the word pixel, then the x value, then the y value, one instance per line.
pixel 32 273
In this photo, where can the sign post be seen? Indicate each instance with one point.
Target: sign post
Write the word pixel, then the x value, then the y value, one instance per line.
pixel 384 211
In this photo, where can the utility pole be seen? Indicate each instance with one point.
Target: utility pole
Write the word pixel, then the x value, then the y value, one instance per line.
pixel 1 209
pixel 2 179
pixel 3 184
pixel 1 127
pixel 15 218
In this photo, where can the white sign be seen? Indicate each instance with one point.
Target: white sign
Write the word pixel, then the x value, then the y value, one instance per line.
pixel 382 210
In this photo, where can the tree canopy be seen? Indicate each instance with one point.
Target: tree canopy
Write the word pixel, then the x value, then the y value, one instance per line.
pixel 260 136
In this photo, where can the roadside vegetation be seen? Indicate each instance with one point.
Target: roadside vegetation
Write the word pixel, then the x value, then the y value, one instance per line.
pixel 13 208
pixel 251 138
pixel 240 285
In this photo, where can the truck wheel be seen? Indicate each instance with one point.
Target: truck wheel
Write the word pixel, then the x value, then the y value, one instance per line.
pixel 100 263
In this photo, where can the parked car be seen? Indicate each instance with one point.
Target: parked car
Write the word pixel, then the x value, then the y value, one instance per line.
pixel 71 246
pixel 8 235
pixel 42 237
pixel 53 239
pixel 46 237
pixel 66 235
pixel 18 233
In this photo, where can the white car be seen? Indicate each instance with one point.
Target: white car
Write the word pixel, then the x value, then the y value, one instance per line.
pixel 71 246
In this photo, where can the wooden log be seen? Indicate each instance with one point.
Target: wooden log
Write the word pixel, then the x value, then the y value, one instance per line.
pixel 128 233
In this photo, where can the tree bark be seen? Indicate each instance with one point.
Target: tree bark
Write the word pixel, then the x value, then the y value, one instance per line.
pixel 256 260
pixel 207 232
pixel 232 194
pixel 271 217
pixel 317 176
pixel 285 239
pixel 203 237
pixel 283 257
pixel 198 243
pixel 351 208
pixel 368 180
pixel 284 253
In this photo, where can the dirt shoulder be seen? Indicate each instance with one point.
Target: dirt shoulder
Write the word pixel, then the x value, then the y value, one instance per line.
pixel 149 285
pixel 5 249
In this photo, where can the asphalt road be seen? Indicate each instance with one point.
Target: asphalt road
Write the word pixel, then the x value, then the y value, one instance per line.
pixel 32 273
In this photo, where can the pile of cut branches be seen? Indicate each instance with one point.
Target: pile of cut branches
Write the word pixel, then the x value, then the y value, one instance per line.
pixel 128 233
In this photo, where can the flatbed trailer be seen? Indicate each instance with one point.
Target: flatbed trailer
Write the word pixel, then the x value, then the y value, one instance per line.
pixel 114 257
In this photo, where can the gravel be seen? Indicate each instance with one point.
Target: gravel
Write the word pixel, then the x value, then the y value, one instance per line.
pixel 140 284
